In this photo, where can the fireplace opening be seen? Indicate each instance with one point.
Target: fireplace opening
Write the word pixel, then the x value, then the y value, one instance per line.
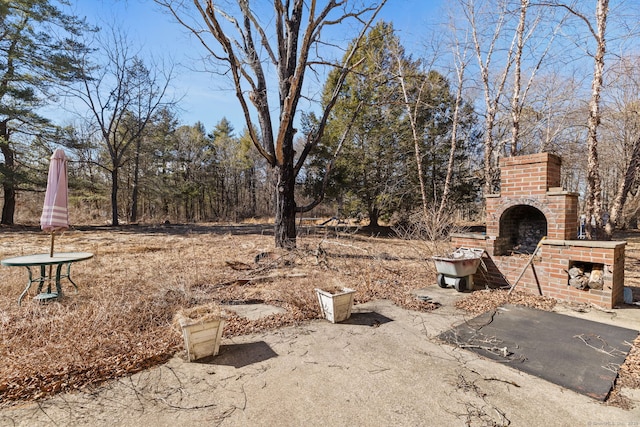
pixel 521 229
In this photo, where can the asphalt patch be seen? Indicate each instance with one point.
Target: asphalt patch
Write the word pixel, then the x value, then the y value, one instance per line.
pixel 578 354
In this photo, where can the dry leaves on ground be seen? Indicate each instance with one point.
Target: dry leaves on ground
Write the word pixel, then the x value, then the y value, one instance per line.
pixel 490 299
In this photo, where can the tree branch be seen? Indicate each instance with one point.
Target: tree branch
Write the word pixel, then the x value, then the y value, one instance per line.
pixel 325 181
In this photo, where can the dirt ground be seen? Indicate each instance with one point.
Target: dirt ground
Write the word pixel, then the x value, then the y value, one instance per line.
pixel 385 366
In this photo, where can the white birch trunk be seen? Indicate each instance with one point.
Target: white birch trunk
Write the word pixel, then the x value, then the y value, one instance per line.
pixel 594 186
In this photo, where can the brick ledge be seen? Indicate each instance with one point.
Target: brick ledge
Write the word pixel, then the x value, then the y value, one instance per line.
pixel 604 244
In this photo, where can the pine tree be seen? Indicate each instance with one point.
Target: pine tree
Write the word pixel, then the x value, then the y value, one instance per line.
pixel 38 50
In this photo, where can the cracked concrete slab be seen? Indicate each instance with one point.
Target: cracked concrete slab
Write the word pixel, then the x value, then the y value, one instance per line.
pixel 379 373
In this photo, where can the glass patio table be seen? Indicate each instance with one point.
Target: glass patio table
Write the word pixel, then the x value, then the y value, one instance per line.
pixel 59 260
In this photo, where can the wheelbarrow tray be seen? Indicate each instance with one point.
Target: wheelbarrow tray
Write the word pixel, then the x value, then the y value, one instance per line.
pixel 462 262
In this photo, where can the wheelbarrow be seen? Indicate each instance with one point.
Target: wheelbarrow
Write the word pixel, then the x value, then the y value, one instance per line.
pixel 458 268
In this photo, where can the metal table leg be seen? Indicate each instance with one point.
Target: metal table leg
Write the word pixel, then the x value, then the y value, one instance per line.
pixel 47 278
pixel 58 285
pixel 40 280
pixel 26 289
pixel 67 275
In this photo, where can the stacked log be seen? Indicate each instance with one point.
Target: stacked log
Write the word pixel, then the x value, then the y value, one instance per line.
pixel 586 276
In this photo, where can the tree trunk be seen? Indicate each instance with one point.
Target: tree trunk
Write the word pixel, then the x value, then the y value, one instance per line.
pixel 623 190
pixel 9 206
pixel 489 171
pixel 8 177
pixel 594 185
pixel 414 131
pixel 136 179
pixel 285 223
pixel 252 186
pixel 374 216
pixel 114 196
pixel 517 73
pixel 454 140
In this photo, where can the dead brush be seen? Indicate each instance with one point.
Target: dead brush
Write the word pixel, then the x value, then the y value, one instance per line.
pixel 428 231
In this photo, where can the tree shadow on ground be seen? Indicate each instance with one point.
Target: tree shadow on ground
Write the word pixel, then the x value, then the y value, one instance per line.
pixel 233 229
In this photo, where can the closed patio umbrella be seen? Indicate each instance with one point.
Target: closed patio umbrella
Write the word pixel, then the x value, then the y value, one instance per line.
pixel 55 215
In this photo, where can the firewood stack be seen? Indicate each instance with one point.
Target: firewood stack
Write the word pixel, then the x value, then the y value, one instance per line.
pixel 582 277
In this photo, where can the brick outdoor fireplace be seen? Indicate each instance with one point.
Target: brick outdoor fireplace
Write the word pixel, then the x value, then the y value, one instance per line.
pixel 530 206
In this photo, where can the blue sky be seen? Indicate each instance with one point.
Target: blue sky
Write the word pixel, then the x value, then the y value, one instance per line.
pixel 204 97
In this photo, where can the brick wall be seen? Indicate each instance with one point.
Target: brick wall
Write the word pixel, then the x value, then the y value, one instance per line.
pixel 557 256
pixel 532 174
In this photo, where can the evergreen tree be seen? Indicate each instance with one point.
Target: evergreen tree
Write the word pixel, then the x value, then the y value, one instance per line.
pixel 369 117
pixel 377 175
pixel 38 48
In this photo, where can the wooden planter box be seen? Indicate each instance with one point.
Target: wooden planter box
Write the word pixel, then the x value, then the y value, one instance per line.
pixel 336 306
pixel 201 330
pixel 202 339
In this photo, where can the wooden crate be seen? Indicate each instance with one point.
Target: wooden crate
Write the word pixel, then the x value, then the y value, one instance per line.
pixel 336 307
pixel 202 339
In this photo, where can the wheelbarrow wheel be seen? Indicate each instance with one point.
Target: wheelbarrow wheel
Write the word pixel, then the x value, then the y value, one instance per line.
pixel 441 281
pixel 460 284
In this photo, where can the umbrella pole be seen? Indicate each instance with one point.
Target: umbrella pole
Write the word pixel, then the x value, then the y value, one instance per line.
pixel 50 266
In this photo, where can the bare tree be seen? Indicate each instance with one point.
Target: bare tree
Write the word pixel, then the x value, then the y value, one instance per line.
pixel 621 122
pixel 413 107
pixel 594 188
pixel 479 20
pixel 122 95
pixel 593 202
pixel 516 106
pixel 460 62
pixel 288 46
pixel 535 37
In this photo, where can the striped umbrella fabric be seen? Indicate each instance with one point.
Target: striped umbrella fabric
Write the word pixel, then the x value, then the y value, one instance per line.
pixel 55 214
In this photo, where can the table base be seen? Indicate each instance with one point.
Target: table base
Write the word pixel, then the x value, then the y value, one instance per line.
pixel 44 278
pixel 44 297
